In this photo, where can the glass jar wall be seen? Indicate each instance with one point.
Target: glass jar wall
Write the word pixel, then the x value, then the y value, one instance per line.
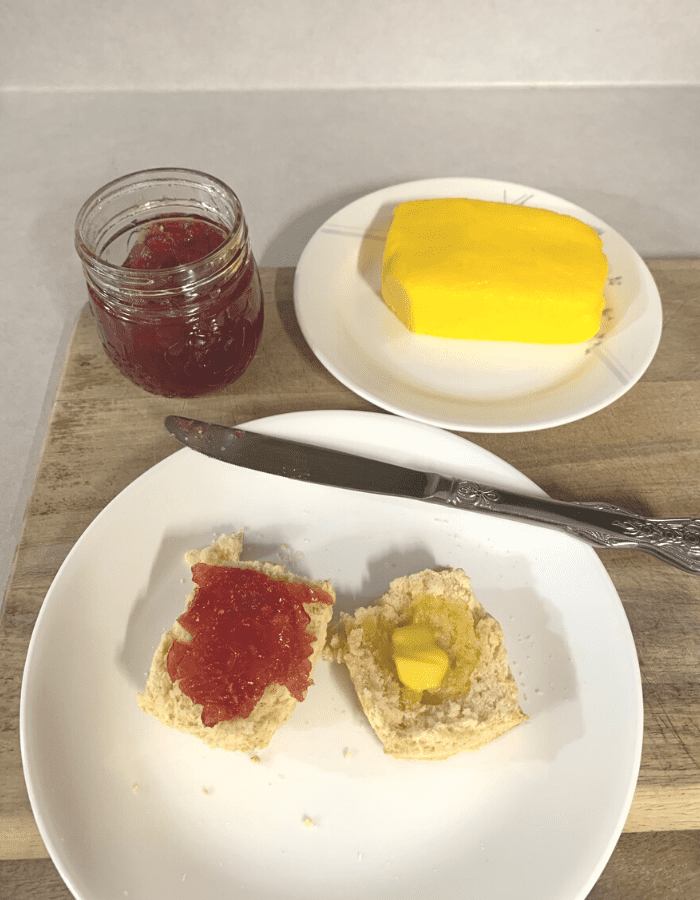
pixel 173 285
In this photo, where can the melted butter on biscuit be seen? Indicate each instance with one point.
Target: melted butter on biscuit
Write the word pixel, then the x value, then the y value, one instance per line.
pixel 420 663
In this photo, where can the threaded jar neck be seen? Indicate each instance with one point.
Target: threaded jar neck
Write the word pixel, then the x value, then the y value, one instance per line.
pixel 115 218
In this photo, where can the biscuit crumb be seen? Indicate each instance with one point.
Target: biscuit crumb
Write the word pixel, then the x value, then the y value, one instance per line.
pixel 255 759
pixel 206 790
pixel 308 822
pixel 135 788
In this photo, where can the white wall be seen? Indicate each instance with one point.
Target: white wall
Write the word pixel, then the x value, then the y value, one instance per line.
pixel 229 44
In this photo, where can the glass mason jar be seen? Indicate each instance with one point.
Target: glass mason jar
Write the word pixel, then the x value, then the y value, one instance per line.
pixel 174 288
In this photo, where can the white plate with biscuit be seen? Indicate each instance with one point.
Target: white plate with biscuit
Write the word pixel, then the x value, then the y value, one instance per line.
pixel 478 386
pixel 131 810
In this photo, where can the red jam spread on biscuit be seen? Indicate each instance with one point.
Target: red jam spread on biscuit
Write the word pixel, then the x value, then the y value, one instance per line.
pixel 248 631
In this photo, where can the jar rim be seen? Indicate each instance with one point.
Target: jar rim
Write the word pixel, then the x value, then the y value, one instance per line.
pixel 131 181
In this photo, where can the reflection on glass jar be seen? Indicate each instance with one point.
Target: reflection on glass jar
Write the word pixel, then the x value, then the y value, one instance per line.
pixel 173 285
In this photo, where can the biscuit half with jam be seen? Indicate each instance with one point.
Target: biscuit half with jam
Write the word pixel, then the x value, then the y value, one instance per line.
pixel 236 663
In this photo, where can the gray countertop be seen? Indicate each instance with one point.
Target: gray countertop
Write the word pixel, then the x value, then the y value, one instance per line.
pixel 627 154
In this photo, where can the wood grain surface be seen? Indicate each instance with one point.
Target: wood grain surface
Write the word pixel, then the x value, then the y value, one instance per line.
pixel 642 452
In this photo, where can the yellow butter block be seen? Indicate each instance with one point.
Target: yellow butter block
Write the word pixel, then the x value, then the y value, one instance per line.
pixel 420 664
pixel 480 270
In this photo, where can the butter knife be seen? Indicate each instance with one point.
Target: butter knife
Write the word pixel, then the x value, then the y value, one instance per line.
pixel 602 525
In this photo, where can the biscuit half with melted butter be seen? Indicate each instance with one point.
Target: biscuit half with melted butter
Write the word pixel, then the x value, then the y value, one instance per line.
pixel 477 699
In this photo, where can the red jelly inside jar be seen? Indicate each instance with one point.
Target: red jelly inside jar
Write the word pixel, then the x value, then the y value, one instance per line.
pixel 174 242
pixel 183 336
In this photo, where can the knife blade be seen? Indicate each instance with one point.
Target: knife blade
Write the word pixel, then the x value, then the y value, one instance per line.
pixel 602 525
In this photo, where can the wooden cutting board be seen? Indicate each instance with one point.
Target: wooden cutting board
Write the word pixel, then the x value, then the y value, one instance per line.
pixel 642 452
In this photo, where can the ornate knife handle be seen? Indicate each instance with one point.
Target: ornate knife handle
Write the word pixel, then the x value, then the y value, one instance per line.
pixel 604 525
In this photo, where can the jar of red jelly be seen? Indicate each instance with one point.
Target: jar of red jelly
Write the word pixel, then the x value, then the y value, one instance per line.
pixel 173 285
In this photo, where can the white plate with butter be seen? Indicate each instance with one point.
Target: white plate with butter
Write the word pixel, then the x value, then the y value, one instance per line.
pixel 478 386
pixel 131 810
